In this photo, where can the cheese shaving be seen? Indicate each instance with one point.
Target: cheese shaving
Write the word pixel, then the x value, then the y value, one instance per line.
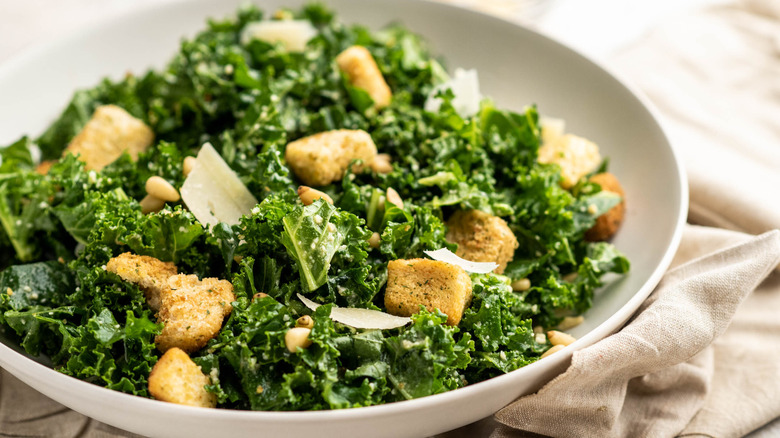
pixel 465 87
pixel 213 192
pixel 447 256
pixel 360 318
pixel 292 34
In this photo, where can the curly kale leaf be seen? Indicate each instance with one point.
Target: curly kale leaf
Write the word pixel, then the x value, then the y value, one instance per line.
pixel 425 358
pixel 36 284
pixel 315 233
pixel 166 235
pixel 500 320
pixel 29 231
pixel 17 157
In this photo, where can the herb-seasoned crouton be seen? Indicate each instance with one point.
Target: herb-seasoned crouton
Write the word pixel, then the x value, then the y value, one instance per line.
pixel 608 223
pixel 575 155
pixel 192 311
pixel 110 132
pixel 431 283
pixel 44 167
pixel 147 272
pixel 321 159
pixel 361 70
pixel 482 237
pixel 175 378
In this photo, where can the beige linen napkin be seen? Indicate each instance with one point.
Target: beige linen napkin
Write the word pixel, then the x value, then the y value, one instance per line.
pixel 657 377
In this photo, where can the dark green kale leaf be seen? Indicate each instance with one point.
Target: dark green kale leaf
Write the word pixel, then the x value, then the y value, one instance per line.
pixel 425 358
pixel 364 381
pixel 252 344
pixel 36 284
pixel 271 175
pixel 17 157
pixel 166 235
pixel 314 233
pixel 80 219
pixel 95 353
pixel 586 209
pixel 38 327
pixel 407 235
pixel 30 231
pixel 500 320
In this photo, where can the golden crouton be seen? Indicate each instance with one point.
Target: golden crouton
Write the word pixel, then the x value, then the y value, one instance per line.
pixel 44 167
pixel 575 155
pixel 147 272
pixel 192 311
pixel 321 159
pixel 110 132
pixel 608 223
pixel 431 283
pixel 175 378
pixel 361 70
pixel 482 237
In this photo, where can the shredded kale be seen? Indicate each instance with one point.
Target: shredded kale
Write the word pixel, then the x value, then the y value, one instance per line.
pixel 58 229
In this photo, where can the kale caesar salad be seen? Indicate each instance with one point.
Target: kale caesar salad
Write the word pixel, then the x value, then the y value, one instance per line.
pixel 298 214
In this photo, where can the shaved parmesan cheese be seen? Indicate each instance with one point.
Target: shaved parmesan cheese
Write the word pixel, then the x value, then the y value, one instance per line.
pixel 465 87
pixel 551 128
pixel 361 318
pixel 213 192
pixel 447 256
pixel 293 34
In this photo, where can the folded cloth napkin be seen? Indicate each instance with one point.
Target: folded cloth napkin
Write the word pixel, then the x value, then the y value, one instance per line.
pixel 659 376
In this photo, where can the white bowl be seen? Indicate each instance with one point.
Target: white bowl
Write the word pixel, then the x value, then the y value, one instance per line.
pixel 516 67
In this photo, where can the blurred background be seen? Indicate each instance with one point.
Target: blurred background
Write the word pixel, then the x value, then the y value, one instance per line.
pixel 595 27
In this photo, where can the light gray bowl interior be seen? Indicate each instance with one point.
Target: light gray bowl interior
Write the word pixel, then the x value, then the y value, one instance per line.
pixel 516 67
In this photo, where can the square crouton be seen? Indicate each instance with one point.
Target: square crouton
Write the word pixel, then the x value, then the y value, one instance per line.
pixel 175 378
pixel 431 283
pixel 482 237
pixel 147 272
pixel 110 132
pixel 362 72
pixel 192 311
pixel 575 155
pixel 321 159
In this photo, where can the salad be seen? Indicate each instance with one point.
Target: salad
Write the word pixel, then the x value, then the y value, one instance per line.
pixel 297 214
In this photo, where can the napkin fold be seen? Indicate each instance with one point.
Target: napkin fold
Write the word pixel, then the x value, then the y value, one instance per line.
pixel 657 376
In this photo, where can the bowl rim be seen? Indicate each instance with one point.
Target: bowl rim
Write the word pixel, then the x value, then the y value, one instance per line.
pixel 20 364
